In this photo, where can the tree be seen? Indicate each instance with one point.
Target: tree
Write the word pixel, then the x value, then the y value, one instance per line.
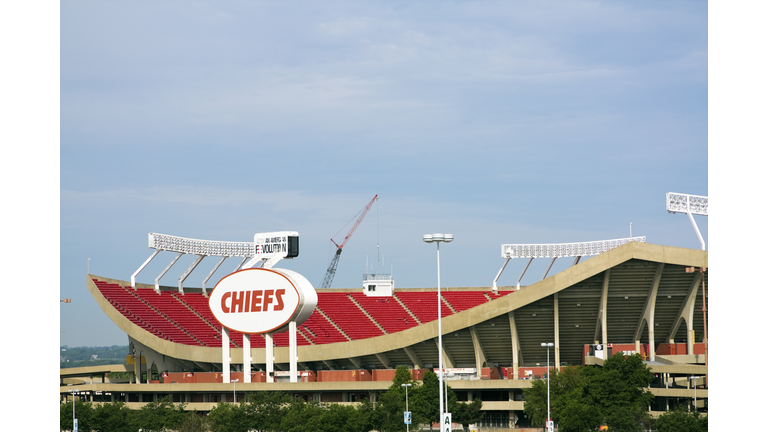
pixel 301 416
pixel 392 403
pixel 536 402
pixel 571 407
pixel 680 420
pixel 368 417
pixel 228 417
pixel 83 413
pixel 113 417
pixel 193 422
pixel 426 400
pixel 618 391
pixel 263 410
pixel 467 414
pixel 159 416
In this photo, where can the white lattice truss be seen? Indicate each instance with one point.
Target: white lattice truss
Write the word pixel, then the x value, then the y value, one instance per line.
pixel 684 203
pixel 200 248
pixel 563 250
pixel 555 251
pixel 690 205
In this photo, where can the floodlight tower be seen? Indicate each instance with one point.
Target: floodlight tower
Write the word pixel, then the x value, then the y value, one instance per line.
pixel 690 205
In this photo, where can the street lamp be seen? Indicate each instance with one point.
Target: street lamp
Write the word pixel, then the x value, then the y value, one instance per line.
pixel 695 405
pixel 407 411
pixel 550 426
pixel 447 238
pixel 234 386
pixel 74 419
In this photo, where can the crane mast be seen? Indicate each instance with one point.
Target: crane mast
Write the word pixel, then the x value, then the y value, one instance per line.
pixel 331 272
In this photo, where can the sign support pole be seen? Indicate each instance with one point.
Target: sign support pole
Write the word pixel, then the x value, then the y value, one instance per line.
pixel 270 350
pixel 225 355
pixel 292 350
pixel 246 358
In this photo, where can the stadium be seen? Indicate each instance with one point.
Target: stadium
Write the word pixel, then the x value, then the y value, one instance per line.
pixel 628 297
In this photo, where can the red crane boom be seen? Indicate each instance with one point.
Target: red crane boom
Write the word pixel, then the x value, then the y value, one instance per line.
pixel 331 272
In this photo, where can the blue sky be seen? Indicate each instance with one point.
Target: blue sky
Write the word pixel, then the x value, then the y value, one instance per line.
pixel 499 122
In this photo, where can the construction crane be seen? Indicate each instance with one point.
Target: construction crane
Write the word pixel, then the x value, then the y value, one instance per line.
pixel 331 272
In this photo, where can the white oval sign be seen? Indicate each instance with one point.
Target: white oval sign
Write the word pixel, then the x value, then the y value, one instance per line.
pixel 261 300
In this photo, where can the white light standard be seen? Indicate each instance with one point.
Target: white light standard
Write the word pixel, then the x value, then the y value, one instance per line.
pixel 74 419
pixel 407 423
pixel 549 415
pixel 234 386
pixel 429 238
pixel 695 405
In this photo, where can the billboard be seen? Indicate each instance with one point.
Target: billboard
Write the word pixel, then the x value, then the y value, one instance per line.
pixel 259 300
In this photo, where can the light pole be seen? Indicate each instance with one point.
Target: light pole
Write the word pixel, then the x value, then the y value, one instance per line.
pixel 74 419
pixel 695 405
pixel 447 238
pixel 549 415
pixel 407 423
pixel 234 387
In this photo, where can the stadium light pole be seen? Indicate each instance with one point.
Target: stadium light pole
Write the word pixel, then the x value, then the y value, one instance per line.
pixel 549 415
pixel 407 425
pixel 234 387
pixel 74 419
pixel 437 238
pixel 690 205
pixel 695 406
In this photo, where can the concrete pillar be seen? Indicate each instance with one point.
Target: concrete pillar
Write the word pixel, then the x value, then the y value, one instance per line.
pixel 515 345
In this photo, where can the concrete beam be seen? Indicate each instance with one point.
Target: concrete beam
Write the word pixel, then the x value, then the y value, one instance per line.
pixel 480 358
pixel 383 359
pixel 602 315
pixel 414 357
pixel 356 361
pixel 447 357
pixel 649 311
pixel 517 356
pixel 686 313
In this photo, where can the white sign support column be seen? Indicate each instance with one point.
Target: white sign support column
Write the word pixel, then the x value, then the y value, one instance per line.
pixel 225 355
pixel 292 351
pixel 270 354
pixel 246 358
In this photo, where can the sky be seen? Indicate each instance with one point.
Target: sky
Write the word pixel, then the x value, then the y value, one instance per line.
pixel 499 122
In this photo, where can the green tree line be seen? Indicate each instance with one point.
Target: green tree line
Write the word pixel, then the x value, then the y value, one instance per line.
pixel 277 411
pixel 584 398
